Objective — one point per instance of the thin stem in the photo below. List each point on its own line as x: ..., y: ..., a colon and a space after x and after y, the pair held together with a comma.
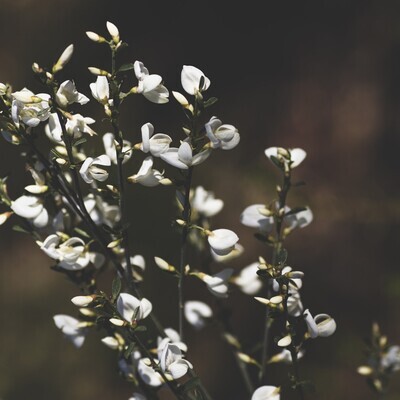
x: 299, y: 386
x: 277, y: 247
x: 182, y: 261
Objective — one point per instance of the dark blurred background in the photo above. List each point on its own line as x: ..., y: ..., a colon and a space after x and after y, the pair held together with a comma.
x: 320, y: 75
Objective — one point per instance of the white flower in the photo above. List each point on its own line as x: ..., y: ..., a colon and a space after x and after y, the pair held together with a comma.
x: 391, y: 359
x: 222, y: 241
x: 196, y: 313
x: 67, y: 94
x: 205, y: 203
x: 322, y: 325
x: 72, y: 328
x: 148, y: 176
x: 222, y: 136
x: 300, y: 219
x: 191, y: 78
x: 217, y: 284
x: 31, y: 208
x: 53, y: 129
x: 30, y: 108
x: 183, y: 157
x: 100, y: 89
x: 248, y: 280
x: 148, y: 374
x: 157, y: 144
x: 292, y: 157
x: 100, y: 211
x: 109, y: 146
x: 90, y: 172
x: 77, y: 125
x: 236, y: 252
x: 137, y: 396
x: 72, y: 254
x: 150, y: 85
x: 111, y: 342
x: 252, y: 217
x: 172, y: 336
x: 172, y: 361
x: 131, y: 308
x: 266, y: 393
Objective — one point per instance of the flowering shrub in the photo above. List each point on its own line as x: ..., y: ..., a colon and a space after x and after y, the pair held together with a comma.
x: 77, y: 214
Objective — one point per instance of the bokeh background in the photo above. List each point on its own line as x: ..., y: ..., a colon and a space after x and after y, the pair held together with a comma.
x: 320, y: 75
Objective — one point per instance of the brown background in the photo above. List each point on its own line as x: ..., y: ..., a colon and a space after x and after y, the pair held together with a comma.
x: 321, y: 75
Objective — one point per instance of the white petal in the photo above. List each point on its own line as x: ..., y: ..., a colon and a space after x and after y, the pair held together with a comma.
x: 266, y: 393
x: 222, y: 241
x: 251, y: 217
x: 127, y: 306
x: 27, y: 207
x: 150, y: 82
x: 201, y: 157
x: 42, y: 219
x: 147, y: 132
x: 159, y: 143
x: 171, y: 157
x: 326, y: 325
x: 185, y: 153
x: 297, y: 156
x: 190, y: 79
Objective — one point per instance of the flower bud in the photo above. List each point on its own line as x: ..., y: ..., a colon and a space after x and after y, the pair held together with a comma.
x: 95, y: 37
x: 285, y: 341
x: 64, y: 58
x: 82, y: 301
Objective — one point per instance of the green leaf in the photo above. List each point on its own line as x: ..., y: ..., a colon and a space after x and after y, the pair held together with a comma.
x: 210, y: 102
x: 129, y: 350
x: 140, y: 328
x: 81, y: 232
x: 282, y: 256
x: 80, y: 141
x: 126, y: 67
x: 276, y: 161
x: 18, y: 228
x: 116, y: 287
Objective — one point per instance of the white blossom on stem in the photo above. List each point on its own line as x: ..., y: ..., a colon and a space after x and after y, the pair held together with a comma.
x: 266, y: 393
x: 172, y: 362
x: 222, y: 241
x: 71, y: 254
x: 100, y: 89
x: 183, y: 157
x: 300, y: 219
x: 31, y: 208
x: 322, y: 325
x: 150, y: 85
x: 291, y: 157
x: 147, y: 175
x: 147, y: 373
x: 157, y: 144
x: 72, y: 328
x: 205, y: 203
x: 67, y: 94
x: 217, y: 284
x: 191, y: 78
x: 222, y: 136
x: 90, y: 171
x: 109, y: 143
x: 131, y: 308
x: 252, y: 218
x: 248, y: 280
x: 196, y: 313
x: 30, y: 108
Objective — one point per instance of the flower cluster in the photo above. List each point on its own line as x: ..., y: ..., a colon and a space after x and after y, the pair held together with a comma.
x: 76, y: 211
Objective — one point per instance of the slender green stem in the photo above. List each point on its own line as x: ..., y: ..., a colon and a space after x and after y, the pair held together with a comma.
x: 277, y: 247
x: 182, y: 260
